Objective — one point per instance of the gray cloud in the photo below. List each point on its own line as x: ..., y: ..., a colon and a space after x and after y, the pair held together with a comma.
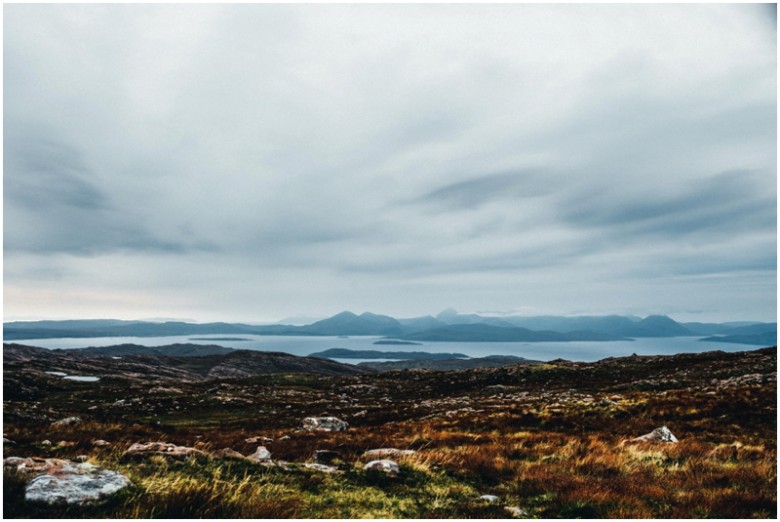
x: 254, y: 161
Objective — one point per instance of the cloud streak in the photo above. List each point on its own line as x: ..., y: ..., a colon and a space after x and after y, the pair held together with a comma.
x: 251, y: 162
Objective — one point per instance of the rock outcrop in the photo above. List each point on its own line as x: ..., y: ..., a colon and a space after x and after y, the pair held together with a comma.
x: 161, y: 448
x: 324, y: 424
x: 58, y: 481
x: 662, y: 434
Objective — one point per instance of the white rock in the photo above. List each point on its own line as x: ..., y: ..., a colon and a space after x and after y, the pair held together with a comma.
x: 324, y: 424
x: 260, y: 454
x: 662, y: 434
x: 74, y: 484
x: 489, y: 498
x: 386, y: 466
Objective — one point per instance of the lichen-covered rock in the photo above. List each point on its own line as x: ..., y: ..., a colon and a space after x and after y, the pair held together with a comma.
x: 387, y: 453
x: 662, y: 434
x: 388, y: 467
x: 161, y: 448
x: 59, y: 481
x: 324, y: 424
x: 261, y: 454
x: 74, y: 483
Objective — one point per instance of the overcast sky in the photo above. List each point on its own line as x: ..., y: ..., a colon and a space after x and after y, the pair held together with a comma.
x: 251, y: 162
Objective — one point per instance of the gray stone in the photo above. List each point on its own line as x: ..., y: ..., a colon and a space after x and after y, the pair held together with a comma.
x: 385, y: 453
x: 161, y: 448
x: 261, y: 454
x: 385, y: 466
x: 72, y: 483
x: 229, y: 453
x: 324, y: 424
x: 662, y: 434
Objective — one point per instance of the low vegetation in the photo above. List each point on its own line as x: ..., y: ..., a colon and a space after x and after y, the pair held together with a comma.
x: 553, y: 440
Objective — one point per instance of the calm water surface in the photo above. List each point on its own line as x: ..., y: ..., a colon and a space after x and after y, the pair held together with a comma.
x: 304, y: 345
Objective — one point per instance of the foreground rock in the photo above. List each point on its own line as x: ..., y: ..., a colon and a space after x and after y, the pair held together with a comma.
x: 229, y: 453
x: 161, y: 448
x: 67, y: 421
x: 261, y: 455
x: 387, y: 453
x: 59, y: 481
x: 324, y: 424
x: 388, y: 467
x: 662, y: 434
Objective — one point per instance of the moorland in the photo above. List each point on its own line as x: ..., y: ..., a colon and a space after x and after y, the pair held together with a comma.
x: 524, y: 439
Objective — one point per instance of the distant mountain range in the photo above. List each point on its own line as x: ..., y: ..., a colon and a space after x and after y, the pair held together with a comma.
x: 446, y: 326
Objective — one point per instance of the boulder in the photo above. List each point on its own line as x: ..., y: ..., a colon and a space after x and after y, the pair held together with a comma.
x: 100, y: 443
x: 387, y: 453
x: 491, y: 499
x: 388, y: 467
x: 59, y: 481
x: 229, y: 453
x: 67, y: 421
x: 324, y: 424
x: 74, y: 484
x: 662, y: 434
x: 261, y: 454
x: 161, y: 448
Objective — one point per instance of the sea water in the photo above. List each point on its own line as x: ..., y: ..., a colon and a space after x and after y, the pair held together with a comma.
x: 585, y: 351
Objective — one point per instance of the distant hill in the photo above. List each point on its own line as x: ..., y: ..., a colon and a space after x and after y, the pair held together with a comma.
x: 347, y: 323
x: 762, y: 334
x: 185, y: 365
x: 656, y: 326
x: 488, y: 333
x: 344, y: 353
